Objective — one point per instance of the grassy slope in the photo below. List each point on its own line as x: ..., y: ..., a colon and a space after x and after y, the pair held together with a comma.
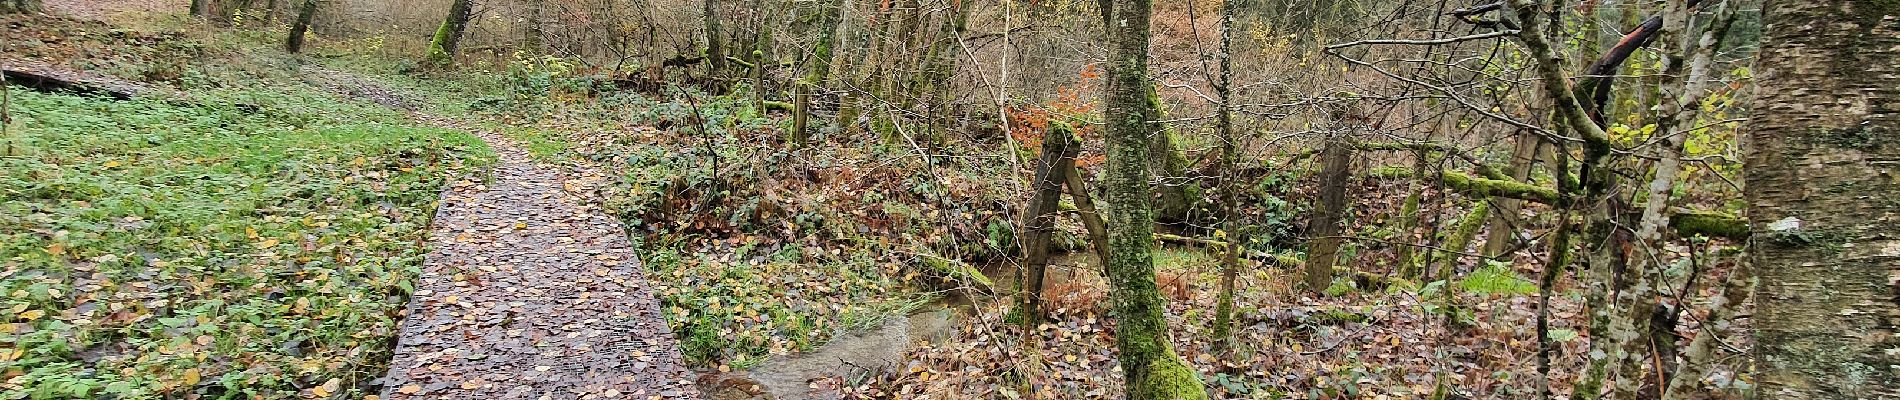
x: 159, y: 250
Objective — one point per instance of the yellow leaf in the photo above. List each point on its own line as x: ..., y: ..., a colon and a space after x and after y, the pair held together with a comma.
x: 471, y: 385
x: 112, y: 164
x: 372, y: 397
x: 268, y: 243
x: 192, y: 376
x: 328, y: 387
x: 30, y: 315
x: 411, y: 389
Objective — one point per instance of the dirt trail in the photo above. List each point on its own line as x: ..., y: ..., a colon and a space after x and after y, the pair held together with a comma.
x: 528, y: 292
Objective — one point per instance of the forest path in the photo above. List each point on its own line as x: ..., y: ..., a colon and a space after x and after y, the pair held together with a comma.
x: 528, y: 292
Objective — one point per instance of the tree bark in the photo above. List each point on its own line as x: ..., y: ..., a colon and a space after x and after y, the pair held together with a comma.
x: 305, y: 13
x: 1325, y: 229
x: 533, y: 37
x: 828, y: 21
x: 1821, y: 156
x: 1039, y: 218
x: 715, y: 40
x: 1701, y: 352
x: 1229, y: 189
x: 1085, y: 209
x: 1505, y: 216
x: 449, y: 35
x: 1150, y: 368
x: 20, y: 6
x: 1178, y: 191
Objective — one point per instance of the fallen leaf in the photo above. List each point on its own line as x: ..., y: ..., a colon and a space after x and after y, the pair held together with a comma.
x: 191, y: 377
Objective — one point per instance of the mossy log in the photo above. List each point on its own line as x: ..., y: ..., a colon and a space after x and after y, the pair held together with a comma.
x: 779, y: 106
x: 1475, y: 186
x: 1709, y: 223
x: 1685, y: 222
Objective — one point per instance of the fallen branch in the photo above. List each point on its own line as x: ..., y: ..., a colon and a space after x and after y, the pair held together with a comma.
x: 1475, y: 186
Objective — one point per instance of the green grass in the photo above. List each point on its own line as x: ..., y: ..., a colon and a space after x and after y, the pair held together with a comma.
x: 248, y: 245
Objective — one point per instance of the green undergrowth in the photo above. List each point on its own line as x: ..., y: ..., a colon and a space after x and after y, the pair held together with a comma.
x: 253, y: 243
x: 738, y: 311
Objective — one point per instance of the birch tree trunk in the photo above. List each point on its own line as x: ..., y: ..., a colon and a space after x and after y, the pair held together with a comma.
x: 1823, y: 162
x: 1150, y: 368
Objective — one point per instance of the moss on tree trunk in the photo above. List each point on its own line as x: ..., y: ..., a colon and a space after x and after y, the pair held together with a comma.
x: 1151, y: 369
x: 1179, y: 192
x: 449, y: 34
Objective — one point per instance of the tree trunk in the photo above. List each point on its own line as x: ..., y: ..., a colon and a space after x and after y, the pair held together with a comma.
x: 1335, y: 171
x: 1229, y: 189
x: 270, y: 13
x: 1178, y: 191
x: 449, y: 35
x: 1085, y: 210
x: 1505, y: 216
x: 1820, y: 183
x: 715, y: 41
x: 20, y: 6
x: 828, y: 21
x: 532, y: 36
x: 1596, y: 178
x: 939, y: 66
x: 1150, y: 368
x: 305, y: 13
x: 1409, y: 267
x: 1701, y: 352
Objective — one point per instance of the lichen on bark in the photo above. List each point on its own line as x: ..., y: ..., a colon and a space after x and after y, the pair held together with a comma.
x: 1825, y: 258
x: 1151, y: 369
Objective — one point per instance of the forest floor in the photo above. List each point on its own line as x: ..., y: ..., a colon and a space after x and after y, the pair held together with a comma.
x: 661, y: 230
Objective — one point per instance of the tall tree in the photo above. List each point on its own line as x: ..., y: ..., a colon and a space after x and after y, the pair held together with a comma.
x: 449, y: 35
x: 1150, y: 368
x: 297, y: 30
x: 1229, y: 193
x: 1821, y: 177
